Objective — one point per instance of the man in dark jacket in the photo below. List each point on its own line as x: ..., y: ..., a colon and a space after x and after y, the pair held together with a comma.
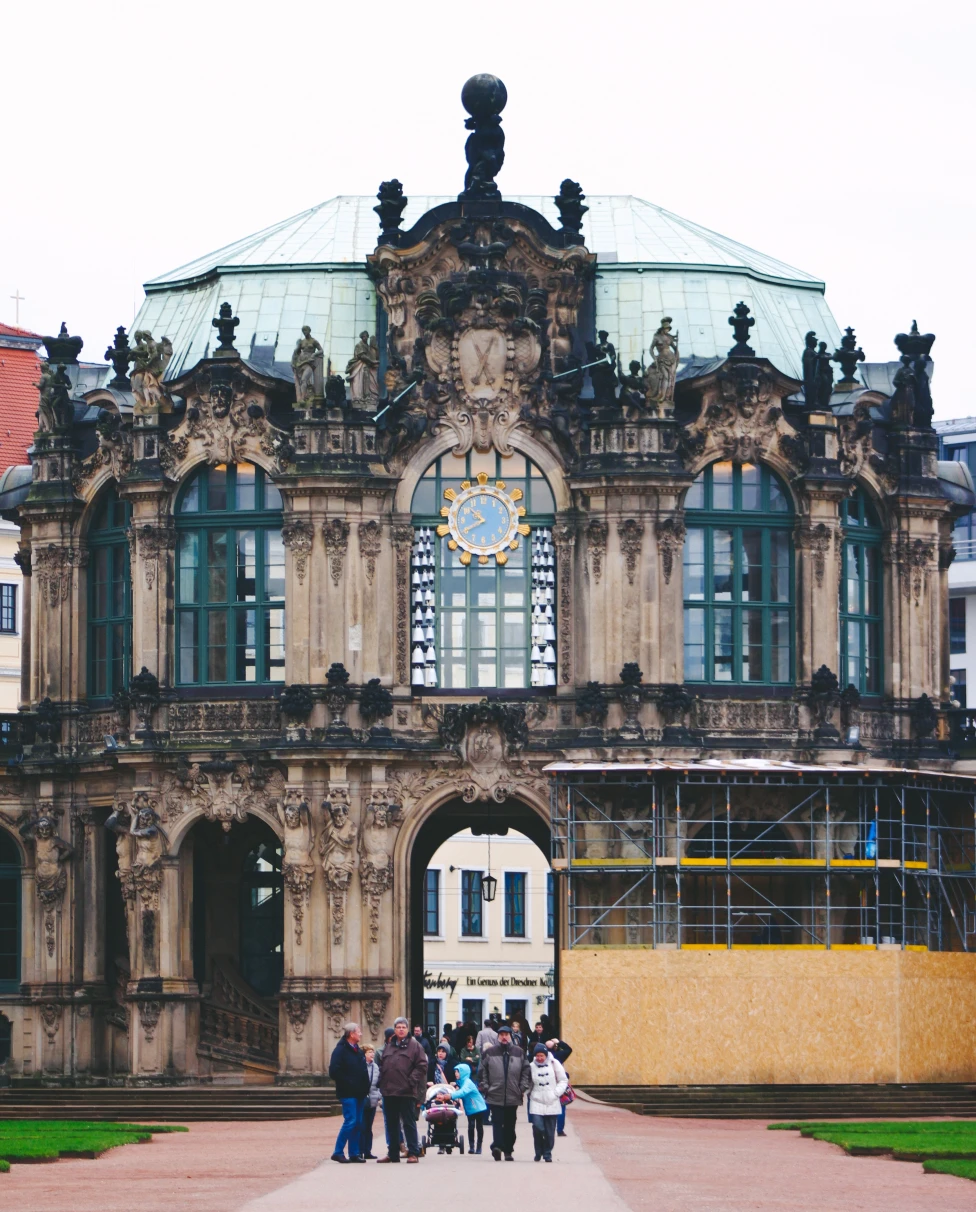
x: 421, y: 1038
x: 403, y: 1082
x: 503, y: 1079
x: 347, y: 1068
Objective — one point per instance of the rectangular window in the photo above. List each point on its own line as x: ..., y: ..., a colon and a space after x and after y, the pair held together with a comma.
x: 432, y: 1018
x: 473, y: 1010
x: 471, y: 921
x: 432, y: 902
x: 550, y: 906
x: 957, y: 624
x: 515, y: 904
x: 958, y: 691
x: 8, y: 609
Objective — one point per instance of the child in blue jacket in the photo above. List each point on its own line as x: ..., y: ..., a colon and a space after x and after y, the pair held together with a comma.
x: 475, y: 1107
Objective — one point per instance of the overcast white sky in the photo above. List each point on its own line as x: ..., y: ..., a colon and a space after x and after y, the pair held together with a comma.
x: 837, y: 137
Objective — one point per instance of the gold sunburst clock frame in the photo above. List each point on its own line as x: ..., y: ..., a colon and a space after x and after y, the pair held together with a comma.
x: 483, y: 520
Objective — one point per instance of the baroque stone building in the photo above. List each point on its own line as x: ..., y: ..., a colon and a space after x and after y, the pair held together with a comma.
x: 394, y: 545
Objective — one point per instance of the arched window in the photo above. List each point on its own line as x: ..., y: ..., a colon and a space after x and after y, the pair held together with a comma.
x: 483, y: 625
x: 262, y: 923
x: 860, y: 596
x: 738, y: 577
x: 230, y: 582
x: 109, y: 597
x: 9, y: 914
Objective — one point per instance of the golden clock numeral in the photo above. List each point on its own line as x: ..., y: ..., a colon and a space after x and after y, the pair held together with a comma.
x: 483, y: 500
x: 442, y: 530
x: 482, y: 559
x: 523, y: 529
x: 513, y: 544
x: 516, y: 494
x: 449, y: 494
x: 465, y: 484
x: 482, y: 477
x: 502, y: 557
x: 452, y: 544
x: 445, y: 512
x: 465, y: 558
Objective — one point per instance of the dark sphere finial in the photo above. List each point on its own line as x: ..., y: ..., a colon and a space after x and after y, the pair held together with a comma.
x: 484, y: 96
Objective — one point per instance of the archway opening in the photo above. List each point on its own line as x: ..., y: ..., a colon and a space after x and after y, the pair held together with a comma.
x: 471, y: 958
x: 10, y: 908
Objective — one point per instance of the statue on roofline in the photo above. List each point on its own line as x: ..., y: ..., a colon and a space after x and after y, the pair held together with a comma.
x: 306, y: 366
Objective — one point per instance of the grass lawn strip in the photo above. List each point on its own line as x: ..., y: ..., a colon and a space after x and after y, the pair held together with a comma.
x: 27, y: 1141
x: 946, y: 1147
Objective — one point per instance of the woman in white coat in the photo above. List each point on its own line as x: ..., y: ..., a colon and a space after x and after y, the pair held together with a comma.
x: 549, y: 1081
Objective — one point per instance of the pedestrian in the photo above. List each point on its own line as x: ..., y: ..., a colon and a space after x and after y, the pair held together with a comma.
x: 421, y: 1037
x: 549, y: 1081
x: 538, y: 1036
x: 403, y: 1082
x: 440, y: 1071
x: 503, y: 1080
x: 487, y: 1036
x: 475, y: 1107
x: 561, y: 1051
x: 347, y: 1068
x: 446, y: 1043
x: 518, y: 1035
x: 369, y: 1107
x: 470, y: 1055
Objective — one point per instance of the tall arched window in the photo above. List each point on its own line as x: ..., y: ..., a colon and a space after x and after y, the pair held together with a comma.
x: 109, y: 597
x: 483, y: 625
x: 9, y: 914
x: 860, y: 596
x: 230, y: 583
x: 738, y: 577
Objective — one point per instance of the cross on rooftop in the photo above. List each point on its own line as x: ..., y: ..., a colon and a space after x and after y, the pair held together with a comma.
x: 18, y: 298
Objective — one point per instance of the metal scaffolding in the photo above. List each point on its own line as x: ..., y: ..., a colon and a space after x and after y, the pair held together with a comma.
x: 765, y: 854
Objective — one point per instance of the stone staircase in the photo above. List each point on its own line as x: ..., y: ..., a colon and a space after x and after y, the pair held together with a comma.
x: 940, y: 1100
x: 168, y: 1104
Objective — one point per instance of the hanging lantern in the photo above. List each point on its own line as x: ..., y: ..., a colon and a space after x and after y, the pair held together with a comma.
x: 489, y: 886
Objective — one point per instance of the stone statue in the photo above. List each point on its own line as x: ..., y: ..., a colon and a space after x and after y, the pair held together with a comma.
x: 809, y: 362
x: 51, y: 853
x: 338, y: 847
x: 151, y: 841
x: 363, y: 371
x: 633, y: 388
x: 297, y: 868
x: 120, y: 823
x: 484, y: 98
x: 306, y: 366
x: 825, y: 378
x: 376, y: 848
x: 149, y: 361
x: 663, y: 371
x: 603, y: 376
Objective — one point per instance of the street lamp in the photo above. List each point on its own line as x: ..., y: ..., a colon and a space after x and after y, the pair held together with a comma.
x: 488, y: 886
x: 550, y: 978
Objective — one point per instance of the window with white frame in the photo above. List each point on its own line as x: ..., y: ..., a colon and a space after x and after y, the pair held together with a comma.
x: 515, y: 909
x: 8, y: 609
x: 472, y: 916
x: 432, y: 902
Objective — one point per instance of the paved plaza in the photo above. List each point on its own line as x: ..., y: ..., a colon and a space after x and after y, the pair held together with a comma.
x: 611, y: 1160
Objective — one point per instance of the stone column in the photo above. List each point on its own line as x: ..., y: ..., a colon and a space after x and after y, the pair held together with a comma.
x: 819, y: 549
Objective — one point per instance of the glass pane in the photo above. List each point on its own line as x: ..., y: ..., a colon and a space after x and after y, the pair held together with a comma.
x: 246, y: 581
x: 694, y: 565
x: 872, y: 635
x: 216, y: 646
x: 854, y: 552
x: 272, y: 497
x: 752, y: 646
x: 191, y: 498
x: 722, y: 565
x: 245, y: 645
x: 513, y: 629
x: 722, y: 485
x: 694, y: 644
x: 117, y: 668
x: 217, y: 488
x: 483, y: 633
x: 778, y: 501
x: 513, y: 669
x: 246, y: 485
x: 451, y: 629
x: 119, y: 578
x: 872, y: 596
x: 540, y: 496
x: 486, y: 463
x: 454, y: 670
x: 696, y: 494
x: 483, y: 586
x: 722, y: 641
x: 217, y: 566
x: 779, y: 565
x: 483, y: 667
x: 781, y: 641
x: 454, y: 582
x: 189, y: 562
x: 99, y: 645
x: 274, y: 646
x: 853, y: 637
x: 751, y: 575
x: 274, y: 565
x: 100, y: 604
x: 424, y: 501
x: 751, y: 487
x: 188, y: 633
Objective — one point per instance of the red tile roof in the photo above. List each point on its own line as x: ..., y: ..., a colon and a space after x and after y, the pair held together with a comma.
x: 20, y: 369
x: 9, y: 331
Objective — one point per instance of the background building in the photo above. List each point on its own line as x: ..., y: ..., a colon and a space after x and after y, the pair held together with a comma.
x: 957, y: 440
x: 481, y: 957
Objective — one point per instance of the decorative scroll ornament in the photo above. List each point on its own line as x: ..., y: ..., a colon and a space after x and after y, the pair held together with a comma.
x: 149, y: 1012
x: 337, y: 1011
x: 297, y: 868
x: 152, y: 543
x: 670, y: 539
x: 597, y: 531
x: 382, y: 817
x: 114, y: 452
x: 631, y: 535
x: 298, y: 535
x: 916, y: 557
x: 337, y: 845
x: 403, y: 540
x: 565, y: 539
x: 223, y: 791
x: 52, y: 571
x: 336, y: 533
x: 298, y: 1009
x: 374, y: 1011
x: 369, y: 546
x: 816, y: 540
x: 51, y: 1018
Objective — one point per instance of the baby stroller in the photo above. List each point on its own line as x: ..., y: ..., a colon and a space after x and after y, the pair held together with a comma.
x: 442, y: 1121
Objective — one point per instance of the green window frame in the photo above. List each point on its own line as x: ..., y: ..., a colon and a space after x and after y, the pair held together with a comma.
x: 738, y: 578
x: 10, y: 914
x: 861, y: 597
x: 230, y: 579
x: 483, y: 613
x: 109, y: 597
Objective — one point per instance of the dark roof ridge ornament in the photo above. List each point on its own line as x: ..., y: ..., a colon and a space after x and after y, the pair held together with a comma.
x: 390, y: 210
x: 64, y: 349
x: 569, y: 203
x: 847, y: 357
x: 484, y: 97
x: 914, y: 344
x: 741, y: 322
x: 118, y: 353
x: 225, y: 323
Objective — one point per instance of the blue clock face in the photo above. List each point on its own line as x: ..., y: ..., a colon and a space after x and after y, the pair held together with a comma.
x: 483, y: 520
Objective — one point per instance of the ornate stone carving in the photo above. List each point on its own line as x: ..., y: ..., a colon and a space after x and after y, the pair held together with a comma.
x: 915, y: 559
x: 631, y: 534
x: 670, y: 534
x: 337, y: 845
x: 52, y: 571
x: 297, y: 868
x: 362, y: 370
x: 51, y: 854
x: 337, y: 1011
x: 152, y: 542
x: 369, y: 546
x: 374, y: 1011
x: 815, y: 540
x: 149, y: 1012
x: 224, y: 791
x: 298, y: 1009
x: 597, y: 531
x: 149, y: 360
x: 306, y: 367
x: 51, y: 1013
x: 733, y: 717
x: 336, y: 534
x: 382, y: 817
x: 150, y: 846
x: 403, y: 538
x: 226, y: 719
x: 114, y: 451
x: 298, y: 534
x: 564, y: 538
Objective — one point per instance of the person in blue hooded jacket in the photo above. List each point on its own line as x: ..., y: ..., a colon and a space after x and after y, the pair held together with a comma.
x: 475, y: 1107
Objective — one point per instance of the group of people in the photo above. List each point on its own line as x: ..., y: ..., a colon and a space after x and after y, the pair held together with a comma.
x: 489, y: 1073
